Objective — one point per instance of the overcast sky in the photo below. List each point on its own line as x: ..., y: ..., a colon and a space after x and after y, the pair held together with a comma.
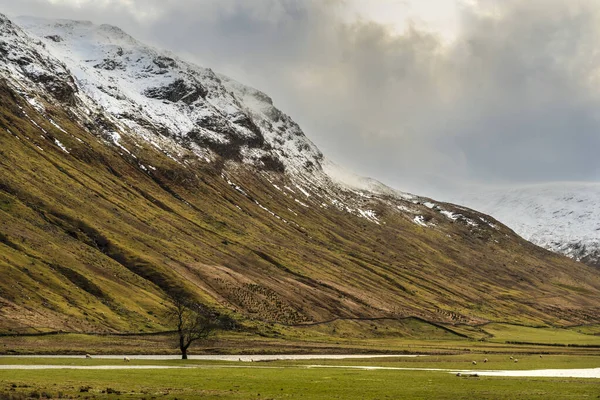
x: 424, y: 95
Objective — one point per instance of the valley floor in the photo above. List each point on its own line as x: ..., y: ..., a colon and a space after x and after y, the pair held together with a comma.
x: 409, y: 336
x: 429, y: 377
x: 567, y: 352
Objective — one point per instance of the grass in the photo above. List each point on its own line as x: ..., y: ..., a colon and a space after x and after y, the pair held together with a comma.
x: 527, y: 361
x: 293, y: 380
x: 345, y: 337
x: 587, y: 329
x: 523, y: 334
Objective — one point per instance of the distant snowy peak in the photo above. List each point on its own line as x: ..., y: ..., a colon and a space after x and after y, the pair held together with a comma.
x: 151, y: 91
x: 562, y: 217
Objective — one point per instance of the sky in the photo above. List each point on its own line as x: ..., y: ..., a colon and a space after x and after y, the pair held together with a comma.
x: 428, y: 96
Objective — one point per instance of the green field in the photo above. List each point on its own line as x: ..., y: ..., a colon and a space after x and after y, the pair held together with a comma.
x: 409, y: 335
x: 535, y: 348
x: 523, y: 334
x: 296, y: 380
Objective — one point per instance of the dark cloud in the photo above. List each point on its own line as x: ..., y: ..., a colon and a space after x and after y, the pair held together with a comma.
x: 513, y: 99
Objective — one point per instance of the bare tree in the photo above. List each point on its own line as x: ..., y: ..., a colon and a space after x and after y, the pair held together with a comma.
x: 195, y: 321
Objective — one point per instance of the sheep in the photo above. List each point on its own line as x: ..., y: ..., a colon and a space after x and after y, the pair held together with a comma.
x: 485, y: 360
x: 126, y: 359
x: 474, y: 362
x: 88, y: 356
x: 516, y: 360
x: 511, y: 357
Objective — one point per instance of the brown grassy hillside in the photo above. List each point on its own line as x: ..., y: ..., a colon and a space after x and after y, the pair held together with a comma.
x: 90, y: 241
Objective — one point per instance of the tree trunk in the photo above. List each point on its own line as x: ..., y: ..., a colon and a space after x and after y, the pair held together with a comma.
x: 183, y: 347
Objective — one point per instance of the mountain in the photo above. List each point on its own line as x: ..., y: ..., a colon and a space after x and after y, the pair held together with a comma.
x: 561, y: 217
x: 129, y: 176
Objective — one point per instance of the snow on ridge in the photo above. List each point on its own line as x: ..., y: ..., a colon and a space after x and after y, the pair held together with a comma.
x: 134, y: 82
x: 296, y: 151
x: 179, y: 107
x: 351, y: 180
x: 450, y: 215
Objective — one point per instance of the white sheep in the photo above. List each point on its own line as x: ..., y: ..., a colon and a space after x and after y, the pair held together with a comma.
x: 516, y: 360
x: 88, y: 356
x: 126, y: 359
x: 485, y: 360
x: 474, y: 362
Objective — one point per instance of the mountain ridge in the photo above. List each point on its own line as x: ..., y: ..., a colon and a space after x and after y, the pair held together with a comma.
x: 105, y: 213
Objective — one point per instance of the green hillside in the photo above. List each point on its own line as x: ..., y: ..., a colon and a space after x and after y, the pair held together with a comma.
x: 92, y: 242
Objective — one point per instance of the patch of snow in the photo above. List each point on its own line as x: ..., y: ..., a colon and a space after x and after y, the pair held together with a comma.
x: 56, y: 125
x: 450, y: 215
x: 31, y: 120
x: 485, y: 221
x: 301, y: 203
x: 269, y: 211
x: 304, y: 192
x: 36, y: 105
x: 420, y: 220
x: 370, y: 215
x: 116, y: 137
x: 61, y: 146
x: 236, y: 187
x: 406, y: 209
x: 470, y: 222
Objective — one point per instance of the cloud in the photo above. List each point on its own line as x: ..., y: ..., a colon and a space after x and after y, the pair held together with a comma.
x: 514, y: 98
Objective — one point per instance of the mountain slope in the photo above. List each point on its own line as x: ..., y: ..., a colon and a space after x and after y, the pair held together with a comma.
x: 561, y: 217
x: 149, y: 91
x: 121, y: 187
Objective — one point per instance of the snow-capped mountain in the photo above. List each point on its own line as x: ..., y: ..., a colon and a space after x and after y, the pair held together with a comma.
x: 183, y: 109
x: 180, y: 108
x: 561, y: 217
x: 129, y: 175
x: 149, y: 91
